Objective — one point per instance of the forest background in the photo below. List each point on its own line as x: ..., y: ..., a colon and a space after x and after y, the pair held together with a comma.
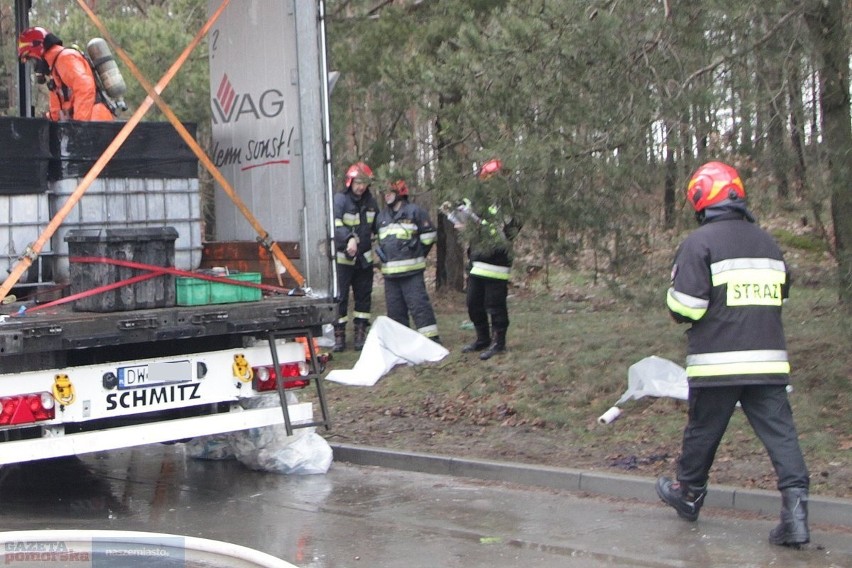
x: 600, y: 110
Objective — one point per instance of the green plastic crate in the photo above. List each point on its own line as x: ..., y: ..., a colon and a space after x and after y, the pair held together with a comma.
x: 197, y: 292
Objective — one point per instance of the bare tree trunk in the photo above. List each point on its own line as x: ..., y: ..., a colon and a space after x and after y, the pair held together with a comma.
x: 775, y: 108
x: 449, y: 272
x: 450, y: 257
x: 796, y: 121
x: 671, y: 180
x: 825, y: 22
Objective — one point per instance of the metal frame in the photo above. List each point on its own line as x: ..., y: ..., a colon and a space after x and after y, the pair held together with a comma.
x: 314, y: 376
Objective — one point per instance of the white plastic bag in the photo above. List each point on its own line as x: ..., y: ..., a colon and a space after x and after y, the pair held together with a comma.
x: 268, y: 448
x: 655, y: 376
x: 652, y: 376
x: 303, y: 453
x: 217, y: 447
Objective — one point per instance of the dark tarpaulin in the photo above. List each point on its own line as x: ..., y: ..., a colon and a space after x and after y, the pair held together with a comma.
x: 153, y: 150
x: 34, y: 151
x: 24, y: 155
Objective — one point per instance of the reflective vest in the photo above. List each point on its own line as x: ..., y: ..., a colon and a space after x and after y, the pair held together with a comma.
x: 354, y: 217
x: 405, y: 237
x: 729, y: 280
x: 490, y: 251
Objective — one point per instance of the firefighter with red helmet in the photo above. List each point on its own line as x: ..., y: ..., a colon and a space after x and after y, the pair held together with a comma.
x: 729, y: 281
x: 355, y: 211
x: 73, y: 89
x: 490, y: 234
x: 406, y: 235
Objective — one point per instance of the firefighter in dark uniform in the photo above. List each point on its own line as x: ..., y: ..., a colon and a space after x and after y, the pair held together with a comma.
x: 406, y: 236
x: 729, y: 280
x: 490, y: 254
x: 355, y: 211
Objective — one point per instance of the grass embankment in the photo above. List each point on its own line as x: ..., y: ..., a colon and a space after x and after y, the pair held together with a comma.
x: 570, y: 346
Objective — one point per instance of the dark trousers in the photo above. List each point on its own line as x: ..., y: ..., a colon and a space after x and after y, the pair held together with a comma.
x: 406, y: 295
x: 768, y: 411
x: 360, y: 280
x: 486, y: 297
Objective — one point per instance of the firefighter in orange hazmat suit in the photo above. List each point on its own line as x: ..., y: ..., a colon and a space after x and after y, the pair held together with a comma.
x: 73, y: 90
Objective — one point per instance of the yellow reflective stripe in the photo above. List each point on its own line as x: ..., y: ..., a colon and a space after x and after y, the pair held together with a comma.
x: 361, y: 315
x: 428, y: 238
x: 351, y: 219
x: 493, y: 271
x: 400, y: 266
x: 343, y: 259
x: 343, y: 320
x: 754, y: 362
x: 338, y: 222
x: 370, y: 216
x: 751, y: 281
x: 401, y: 231
x: 685, y: 305
x: 762, y: 368
x: 428, y: 330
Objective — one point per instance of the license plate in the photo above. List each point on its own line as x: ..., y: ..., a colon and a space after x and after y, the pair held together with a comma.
x: 154, y: 374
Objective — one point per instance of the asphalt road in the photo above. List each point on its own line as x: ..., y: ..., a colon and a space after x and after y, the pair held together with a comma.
x: 369, y: 516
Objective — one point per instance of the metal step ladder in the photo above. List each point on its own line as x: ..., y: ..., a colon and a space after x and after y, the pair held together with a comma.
x: 314, y: 376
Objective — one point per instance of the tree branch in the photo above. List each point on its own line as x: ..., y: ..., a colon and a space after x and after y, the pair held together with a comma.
x: 725, y: 58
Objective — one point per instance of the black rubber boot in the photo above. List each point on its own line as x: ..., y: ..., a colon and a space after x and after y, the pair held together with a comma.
x: 361, y: 326
x: 483, y: 340
x: 498, y: 345
x: 339, y: 337
x: 686, y: 500
x: 793, y: 528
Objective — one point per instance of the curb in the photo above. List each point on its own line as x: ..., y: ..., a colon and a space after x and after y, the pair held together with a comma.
x: 822, y: 510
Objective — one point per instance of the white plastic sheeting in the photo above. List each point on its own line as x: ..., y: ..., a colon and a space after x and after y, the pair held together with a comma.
x: 388, y: 344
x: 268, y: 448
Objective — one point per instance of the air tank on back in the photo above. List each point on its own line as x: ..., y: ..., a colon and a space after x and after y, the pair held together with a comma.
x: 107, y: 70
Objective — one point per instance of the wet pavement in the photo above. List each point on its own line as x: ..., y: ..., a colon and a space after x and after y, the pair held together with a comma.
x: 369, y: 516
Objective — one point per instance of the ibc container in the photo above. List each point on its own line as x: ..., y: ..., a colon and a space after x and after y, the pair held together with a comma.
x: 151, y: 182
x: 22, y: 219
x: 152, y: 246
x: 135, y: 204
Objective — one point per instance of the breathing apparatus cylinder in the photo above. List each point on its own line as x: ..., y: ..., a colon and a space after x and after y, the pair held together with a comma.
x: 108, y: 72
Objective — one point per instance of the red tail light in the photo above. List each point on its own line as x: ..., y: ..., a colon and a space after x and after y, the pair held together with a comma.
x: 26, y: 408
x: 264, y: 378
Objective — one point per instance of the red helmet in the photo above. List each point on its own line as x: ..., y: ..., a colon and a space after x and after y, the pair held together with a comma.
x: 31, y: 43
x: 712, y: 184
x: 359, y: 171
x: 490, y: 168
x: 399, y: 188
